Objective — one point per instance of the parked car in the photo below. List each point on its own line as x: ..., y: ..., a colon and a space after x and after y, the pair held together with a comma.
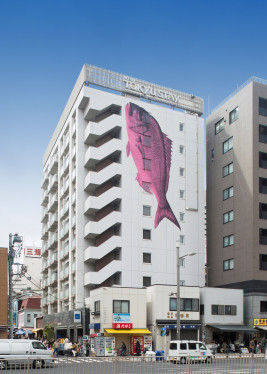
x: 184, y: 350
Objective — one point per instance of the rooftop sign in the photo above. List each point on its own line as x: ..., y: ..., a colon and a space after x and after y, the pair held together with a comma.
x: 149, y: 91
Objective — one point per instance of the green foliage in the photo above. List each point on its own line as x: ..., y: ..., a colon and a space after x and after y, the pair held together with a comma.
x: 49, y: 332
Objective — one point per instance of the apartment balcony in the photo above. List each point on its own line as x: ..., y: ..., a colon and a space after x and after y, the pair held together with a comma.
x: 73, y: 129
x: 66, y: 144
x: 53, y: 279
x: 64, y: 252
x: 52, y: 242
x: 44, y: 232
x: 94, y: 253
x: 96, y: 278
x: 45, y: 181
x: 53, y: 259
x: 65, y: 168
x: 92, y: 228
x: 73, y: 175
x: 73, y: 152
x: 65, y: 189
x: 73, y: 198
x: 73, y: 267
x: 45, y: 283
x: 53, y: 164
x: 53, y: 184
x: 44, y: 248
x: 45, y: 198
x: 66, y: 293
x: 44, y: 215
x: 94, y: 203
x: 94, y: 179
x: 66, y: 272
x: 53, y: 222
x: 73, y: 244
x: 93, y: 155
x: 73, y: 221
x: 73, y: 290
x: 44, y: 265
x: 53, y: 203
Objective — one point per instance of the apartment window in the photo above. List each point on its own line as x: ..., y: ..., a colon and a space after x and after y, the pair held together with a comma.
x: 146, y: 140
x: 181, y: 194
x: 146, y: 281
x: 219, y: 126
x: 28, y: 318
x: 228, y: 192
x: 189, y: 305
x: 263, y: 134
x: 262, y: 106
x: 217, y: 310
x: 202, y: 309
x: 181, y: 172
x: 228, y: 264
x: 147, y: 258
x: 263, y: 262
x: 230, y: 310
x: 227, y: 145
x: 121, y: 306
x: 228, y: 216
x: 233, y: 116
x: 182, y: 283
x: 146, y: 210
x: 173, y: 304
x: 263, y: 211
x: 181, y: 239
x: 181, y: 126
x: 181, y: 149
x: 181, y: 217
x: 146, y: 234
x: 228, y: 240
x: 97, y: 306
x: 263, y: 185
x: 263, y: 236
x: 263, y: 306
x: 263, y: 160
x: 228, y: 169
x: 146, y: 164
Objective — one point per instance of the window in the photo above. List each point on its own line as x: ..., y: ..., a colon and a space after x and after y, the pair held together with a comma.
x: 181, y: 172
x: 188, y: 305
x: 227, y: 145
x: 182, y: 282
x: 202, y: 309
x: 262, y: 106
x: 217, y: 310
x: 173, y: 304
x: 228, y: 192
x: 38, y: 345
x: 146, y: 141
x: 230, y: 310
x: 263, y: 306
x: 263, y: 211
x: 263, y: 160
x: 181, y: 239
x: 147, y: 258
x: 28, y: 318
x: 35, y: 315
x: 228, y: 264
x: 146, y: 187
x: 146, y: 234
x: 181, y: 149
x: 263, y: 134
x: 263, y: 262
x: 146, y: 164
x: 228, y: 216
x: 181, y: 194
x: 182, y: 217
x: 146, y: 281
x: 174, y: 346
x: 263, y: 185
x: 228, y: 169
x: 233, y: 116
x: 263, y: 236
x: 181, y: 126
x: 228, y: 240
x: 121, y: 306
x: 97, y: 307
x: 146, y: 210
x: 192, y: 346
x: 182, y: 262
x: 219, y: 126
x: 183, y: 347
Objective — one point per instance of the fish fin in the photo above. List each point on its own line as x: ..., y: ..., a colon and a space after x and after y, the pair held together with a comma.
x: 144, y: 185
x: 168, y: 158
x: 165, y: 212
x: 128, y: 149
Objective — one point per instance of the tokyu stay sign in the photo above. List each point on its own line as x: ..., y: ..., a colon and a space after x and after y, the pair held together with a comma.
x: 137, y: 87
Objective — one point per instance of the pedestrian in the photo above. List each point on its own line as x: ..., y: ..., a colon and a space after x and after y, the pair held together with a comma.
x: 56, y: 347
x: 123, y: 349
x: 87, y: 349
x: 76, y: 349
x: 137, y: 348
x: 251, y: 346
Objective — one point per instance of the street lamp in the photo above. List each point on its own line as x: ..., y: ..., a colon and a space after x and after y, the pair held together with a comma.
x: 178, y: 258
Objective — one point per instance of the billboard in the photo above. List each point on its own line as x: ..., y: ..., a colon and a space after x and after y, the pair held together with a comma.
x: 32, y: 251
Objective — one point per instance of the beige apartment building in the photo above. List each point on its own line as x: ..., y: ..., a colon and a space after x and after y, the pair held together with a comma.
x: 237, y: 198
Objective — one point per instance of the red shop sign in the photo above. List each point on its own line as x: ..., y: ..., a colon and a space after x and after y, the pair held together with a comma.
x: 122, y: 325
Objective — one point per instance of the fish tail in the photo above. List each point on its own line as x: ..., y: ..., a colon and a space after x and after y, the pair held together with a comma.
x: 165, y: 212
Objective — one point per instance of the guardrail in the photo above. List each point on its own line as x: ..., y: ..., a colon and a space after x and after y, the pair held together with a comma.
x: 220, y: 364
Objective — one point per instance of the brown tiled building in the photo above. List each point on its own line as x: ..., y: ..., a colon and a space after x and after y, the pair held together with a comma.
x: 3, y: 293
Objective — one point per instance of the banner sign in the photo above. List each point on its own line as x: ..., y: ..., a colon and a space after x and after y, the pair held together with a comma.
x: 32, y: 252
x: 122, y: 326
x: 121, y: 317
x: 77, y: 317
x: 260, y: 321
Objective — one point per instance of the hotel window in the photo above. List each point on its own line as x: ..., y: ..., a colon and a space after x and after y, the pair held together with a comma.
x: 217, y: 310
x: 262, y: 134
x: 181, y: 239
x: 219, y: 126
x: 263, y: 306
x: 147, y: 258
x: 228, y: 264
x: 228, y: 169
x: 230, y: 310
x: 228, y: 216
x: 97, y: 307
x: 228, y: 145
x: 181, y: 172
x: 146, y: 164
x: 263, y: 185
x: 182, y: 217
x: 121, y: 306
x: 263, y: 211
x: 263, y: 262
x: 263, y: 236
x: 181, y: 126
x: 233, y: 116
x: 146, y: 281
x: 263, y: 160
x: 262, y: 106
x: 181, y: 149
x: 146, y: 140
x: 146, y: 234
x: 228, y: 192
x: 228, y: 240
x: 181, y: 194
x: 146, y: 210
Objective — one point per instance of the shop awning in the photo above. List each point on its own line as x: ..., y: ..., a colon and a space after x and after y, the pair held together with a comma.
x: 261, y: 327
x: 36, y: 330
x: 128, y: 331
x: 233, y: 328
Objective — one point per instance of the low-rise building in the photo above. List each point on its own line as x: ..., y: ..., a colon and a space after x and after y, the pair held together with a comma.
x: 30, y: 308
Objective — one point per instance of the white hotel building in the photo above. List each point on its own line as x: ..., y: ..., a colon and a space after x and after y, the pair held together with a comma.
x: 98, y: 223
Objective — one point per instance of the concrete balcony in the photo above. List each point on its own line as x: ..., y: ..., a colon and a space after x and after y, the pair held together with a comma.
x: 94, y: 130
x: 94, y: 203
x: 45, y: 198
x: 53, y: 222
x: 53, y: 259
x: 93, y: 155
x: 53, y: 164
x: 94, y: 179
x: 92, y: 228
x: 53, y: 203
x: 52, y: 242
x: 95, y: 278
x: 53, y: 184
x: 94, y: 253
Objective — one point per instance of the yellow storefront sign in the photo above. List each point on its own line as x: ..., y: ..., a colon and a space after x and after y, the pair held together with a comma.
x: 260, y: 321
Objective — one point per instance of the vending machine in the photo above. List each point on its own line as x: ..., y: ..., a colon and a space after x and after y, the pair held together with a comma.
x: 133, y: 343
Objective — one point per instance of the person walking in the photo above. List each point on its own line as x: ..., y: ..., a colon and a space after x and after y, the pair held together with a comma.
x: 137, y: 348
x: 56, y: 348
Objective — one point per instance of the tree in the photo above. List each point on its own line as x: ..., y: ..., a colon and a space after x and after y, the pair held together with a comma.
x: 49, y: 332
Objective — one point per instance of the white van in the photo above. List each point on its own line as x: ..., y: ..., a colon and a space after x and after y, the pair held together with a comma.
x: 19, y: 350
x: 184, y: 350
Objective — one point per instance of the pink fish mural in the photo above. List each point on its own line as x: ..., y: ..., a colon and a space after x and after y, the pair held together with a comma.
x: 151, y: 151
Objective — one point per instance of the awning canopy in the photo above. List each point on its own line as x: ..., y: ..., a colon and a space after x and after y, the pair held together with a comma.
x: 261, y: 327
x: 128, y: 331
x: 35, y: 330
x: 233, y: 328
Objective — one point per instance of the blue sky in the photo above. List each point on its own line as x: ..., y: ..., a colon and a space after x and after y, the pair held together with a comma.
x: 207, y: 48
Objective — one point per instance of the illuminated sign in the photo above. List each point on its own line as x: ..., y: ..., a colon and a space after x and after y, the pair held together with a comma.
x: 77, y: 316
x: 124, y: 326
x: 260, y: 321
x: 32, y: 252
